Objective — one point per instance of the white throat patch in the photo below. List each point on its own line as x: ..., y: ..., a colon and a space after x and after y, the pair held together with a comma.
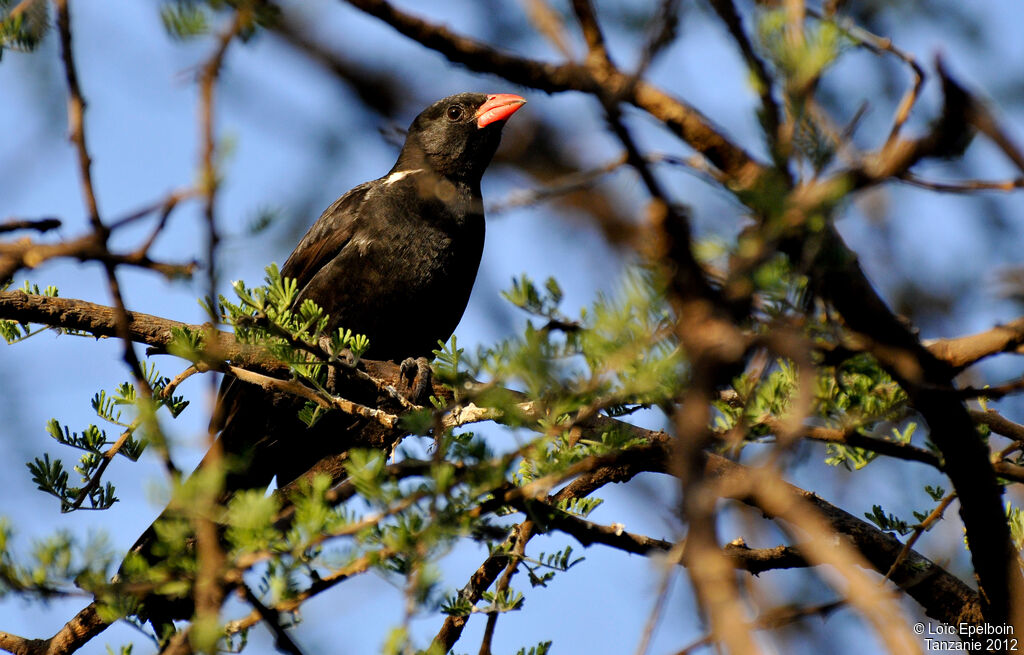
x: 397, y: 175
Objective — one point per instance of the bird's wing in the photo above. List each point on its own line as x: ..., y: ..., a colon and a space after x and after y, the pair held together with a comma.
x: 322, y: 242
x: 326, y: 238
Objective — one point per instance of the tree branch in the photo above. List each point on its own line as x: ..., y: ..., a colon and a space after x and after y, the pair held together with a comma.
x: 25, y: 253
x: 998, y: 423
x: 726, y: 10
x: 682, y: 119
x: 961, y: 352
x: 941, y: 595
x: 927, y: 380
x: 272, y: 618
x: 76, y: 116
x: 38, y: 224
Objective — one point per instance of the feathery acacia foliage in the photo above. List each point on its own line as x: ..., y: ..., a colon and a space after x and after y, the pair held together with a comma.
x: 756, y: 352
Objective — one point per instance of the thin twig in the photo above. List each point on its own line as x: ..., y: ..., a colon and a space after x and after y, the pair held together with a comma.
x: 567, y: 183
x: 523, y: 532
x: 171, y: 199
x: 727, y: 12
x: 584, y: 179
x: 37, y: 224
x: 597, y: 50
x: 679, y: 117
x: 167, y: 207
x: 326, y: 401
x: 963, y: 186
x: 851, y: 437
x: 982, y: 119
x: 774, y: 619
x: 76, y: 121
x: 272, y: 618
x: 993, y: 393
x: 107, y: 457
x: 26, y: 253
x: 878, y: 45
x: 664, y: 28
x: 549, y: 23
x: 76, y: 116
x: 919, y: 530
x: 322, y: 355
x: 209, y: 589
x: 172, y: 386
x: 209, y: 183
x: 360, y: 565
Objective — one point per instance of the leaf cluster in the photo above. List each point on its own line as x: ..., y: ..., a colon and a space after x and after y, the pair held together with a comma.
x: 272, y: 317
x: 136, y: 430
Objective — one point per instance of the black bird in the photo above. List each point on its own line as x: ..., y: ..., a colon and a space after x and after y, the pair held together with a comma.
x: 406, y: 246
x: 394, y: 259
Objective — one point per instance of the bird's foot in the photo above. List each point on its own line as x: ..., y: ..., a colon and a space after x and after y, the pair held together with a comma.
x: 417, y: 379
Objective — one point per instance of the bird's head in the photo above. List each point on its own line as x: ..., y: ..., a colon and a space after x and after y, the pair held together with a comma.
x: 457, y: 136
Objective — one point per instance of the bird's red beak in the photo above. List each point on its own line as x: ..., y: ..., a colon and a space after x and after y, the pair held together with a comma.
x: 498, y: 107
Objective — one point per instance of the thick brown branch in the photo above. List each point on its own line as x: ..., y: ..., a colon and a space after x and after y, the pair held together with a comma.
x: 685, y: 121
x: 961, y: 352
x: 84, y: 316
x: 101, y: 321
x: 998, y: 423
x: 75, y: 633
x: 615, y: 536
x: 928, y: 380
x: 943, y: 597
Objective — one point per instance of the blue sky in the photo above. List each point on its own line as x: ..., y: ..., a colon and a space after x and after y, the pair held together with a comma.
x: 278, y: 114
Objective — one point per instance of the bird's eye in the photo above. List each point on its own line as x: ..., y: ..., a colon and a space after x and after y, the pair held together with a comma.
x: 454, y: 113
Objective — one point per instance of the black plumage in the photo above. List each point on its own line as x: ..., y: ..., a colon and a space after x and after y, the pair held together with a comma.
x: 394, y: 259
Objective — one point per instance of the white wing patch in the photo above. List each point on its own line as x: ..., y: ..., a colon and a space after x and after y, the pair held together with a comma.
x: 360, y: 243
x: 397, y: 175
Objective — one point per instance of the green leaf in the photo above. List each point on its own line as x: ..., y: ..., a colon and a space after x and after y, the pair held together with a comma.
x: 184, y: 20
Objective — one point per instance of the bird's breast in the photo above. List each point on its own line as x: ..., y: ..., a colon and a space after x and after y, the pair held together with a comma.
x: 405, y: 276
